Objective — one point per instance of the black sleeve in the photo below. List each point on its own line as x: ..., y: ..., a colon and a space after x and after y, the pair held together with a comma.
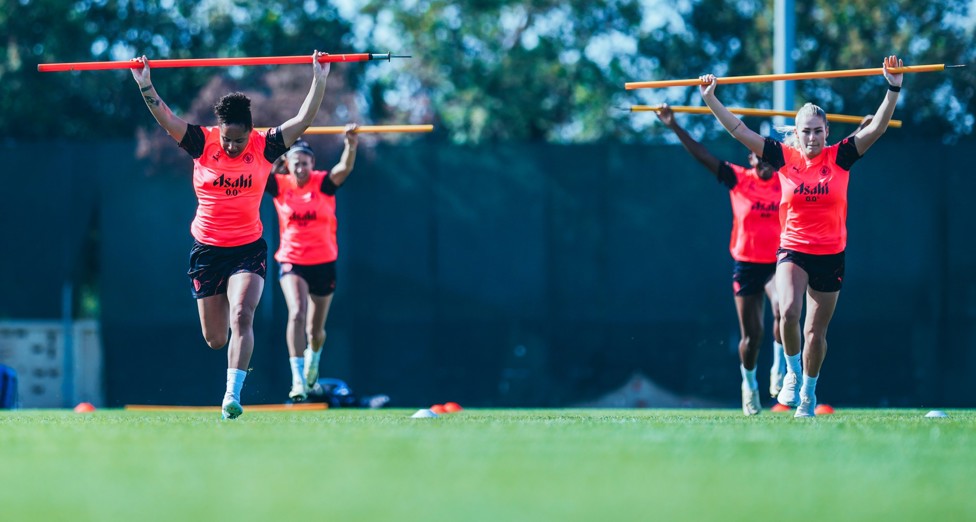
x: 274, y: 145
x: 726, y: 175
x: 847, y: 154
x: 773, y: 153
x: 328, y: 186
x: 272, y: 186
x: 193, y: 141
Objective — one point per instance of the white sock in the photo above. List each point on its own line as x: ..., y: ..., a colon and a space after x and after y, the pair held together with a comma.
x: 793, y: 363
x: 312, y: 357
x: 297, y: 369
x: 235, y: 381
x: 749, y: 376
x: 779, y: 361
x: 809, y: 387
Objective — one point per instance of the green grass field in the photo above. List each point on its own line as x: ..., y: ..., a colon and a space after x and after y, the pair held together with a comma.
x: 493, y: 465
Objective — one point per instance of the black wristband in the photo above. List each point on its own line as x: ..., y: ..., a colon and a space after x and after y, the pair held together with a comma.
x: 894, y: 88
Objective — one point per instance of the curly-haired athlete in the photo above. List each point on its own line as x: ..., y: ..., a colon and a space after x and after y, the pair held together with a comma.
x: 228, y: 260
x: 810, y: 260
x: 305, y: 201
x: 755, y: 195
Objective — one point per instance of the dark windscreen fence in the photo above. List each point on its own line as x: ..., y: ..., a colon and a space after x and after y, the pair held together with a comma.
x: 510, y: 275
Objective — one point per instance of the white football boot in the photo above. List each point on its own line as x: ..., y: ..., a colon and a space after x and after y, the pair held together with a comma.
x: 807, y: 407
x: 231, y: 408
x: 789, y: 395
x: 298, y: 392
x: 750, y: 400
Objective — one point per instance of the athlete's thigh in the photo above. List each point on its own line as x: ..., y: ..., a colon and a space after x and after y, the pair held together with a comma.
x: 244, y: 290
x: 295, y: 289
x: 820, y: 309
x: 214, y: 314
x: 770, y: 290
x: 318, y: 311
x: 791, y: 282
x: 750, y: 310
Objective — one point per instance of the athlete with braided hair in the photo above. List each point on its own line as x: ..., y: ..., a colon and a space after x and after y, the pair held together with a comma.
x: 228, y: 261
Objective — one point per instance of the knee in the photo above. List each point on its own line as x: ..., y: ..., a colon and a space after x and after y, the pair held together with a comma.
x: 215, y: 341
x: 815, y: 338
x: 748, y: 341
x: 241, y: 316
x: 790, y: 314
x: 317, y: 339
x: 297, y: 317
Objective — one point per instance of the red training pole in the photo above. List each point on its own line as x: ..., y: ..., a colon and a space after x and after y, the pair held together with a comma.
x: 212, y: 62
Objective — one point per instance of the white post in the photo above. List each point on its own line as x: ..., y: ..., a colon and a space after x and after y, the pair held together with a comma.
x: 784, y: 42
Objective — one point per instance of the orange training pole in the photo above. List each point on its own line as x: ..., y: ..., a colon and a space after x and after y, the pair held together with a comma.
x: 374, y: 129
x: 214, y: 62
x: 365, y: 129
x: 759, y: 78
x: 843, y: 118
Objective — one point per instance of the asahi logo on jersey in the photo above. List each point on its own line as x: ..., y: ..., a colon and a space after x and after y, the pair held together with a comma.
x: 765, y: 207
x: 234, y: 186
x: 303, y: 218
x: 240, y: 182
x: 811, y: 192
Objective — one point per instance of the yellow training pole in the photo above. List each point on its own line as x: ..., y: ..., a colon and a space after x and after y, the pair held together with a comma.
x: 843, y: 118
x: 759, y: 78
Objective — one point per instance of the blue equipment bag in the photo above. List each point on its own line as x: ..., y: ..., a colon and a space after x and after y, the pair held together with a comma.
x: 8, y: 388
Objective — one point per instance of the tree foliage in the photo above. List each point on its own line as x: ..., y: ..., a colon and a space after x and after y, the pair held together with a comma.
x: 509, y: 70
x: 103, y: 104
x: 832, y: 35
x: 483, y: 70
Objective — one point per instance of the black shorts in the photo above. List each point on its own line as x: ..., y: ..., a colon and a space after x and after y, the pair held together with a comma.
x: 211, y: 266
x: 751, y: 278
x: 321, y: 278
x: 826, y: 272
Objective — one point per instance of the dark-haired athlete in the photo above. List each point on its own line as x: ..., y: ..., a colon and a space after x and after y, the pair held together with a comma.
x: 755, y: 195
x: 814, y: 178
x: 305, y: 201
x: 230, y: 170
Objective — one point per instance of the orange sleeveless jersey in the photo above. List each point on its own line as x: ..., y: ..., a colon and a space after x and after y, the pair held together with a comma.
x: 814, y: 205
x: 755, y: 216
x: 229, y: 191
x: 306, y: 220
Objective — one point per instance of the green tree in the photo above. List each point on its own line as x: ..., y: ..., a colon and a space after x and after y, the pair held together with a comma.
x: 100, y: 104
x: 538, y: 70
x: 737, y: 39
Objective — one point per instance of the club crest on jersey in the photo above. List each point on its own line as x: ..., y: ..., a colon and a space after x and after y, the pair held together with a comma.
x: 248, y: 158
x: 824, y: 170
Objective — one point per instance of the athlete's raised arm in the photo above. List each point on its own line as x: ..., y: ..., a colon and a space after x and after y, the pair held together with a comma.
x: 347, y: 161
x: 733, y: 124
x: 879, y: 124
x: 700, y: 153
x: 173, y: 124
x: 293, y: 129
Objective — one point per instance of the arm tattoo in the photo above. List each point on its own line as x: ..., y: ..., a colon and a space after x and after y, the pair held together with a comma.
x: 151, y: 101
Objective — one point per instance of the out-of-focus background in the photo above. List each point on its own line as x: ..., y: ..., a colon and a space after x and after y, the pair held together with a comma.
x: 541, y: 248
